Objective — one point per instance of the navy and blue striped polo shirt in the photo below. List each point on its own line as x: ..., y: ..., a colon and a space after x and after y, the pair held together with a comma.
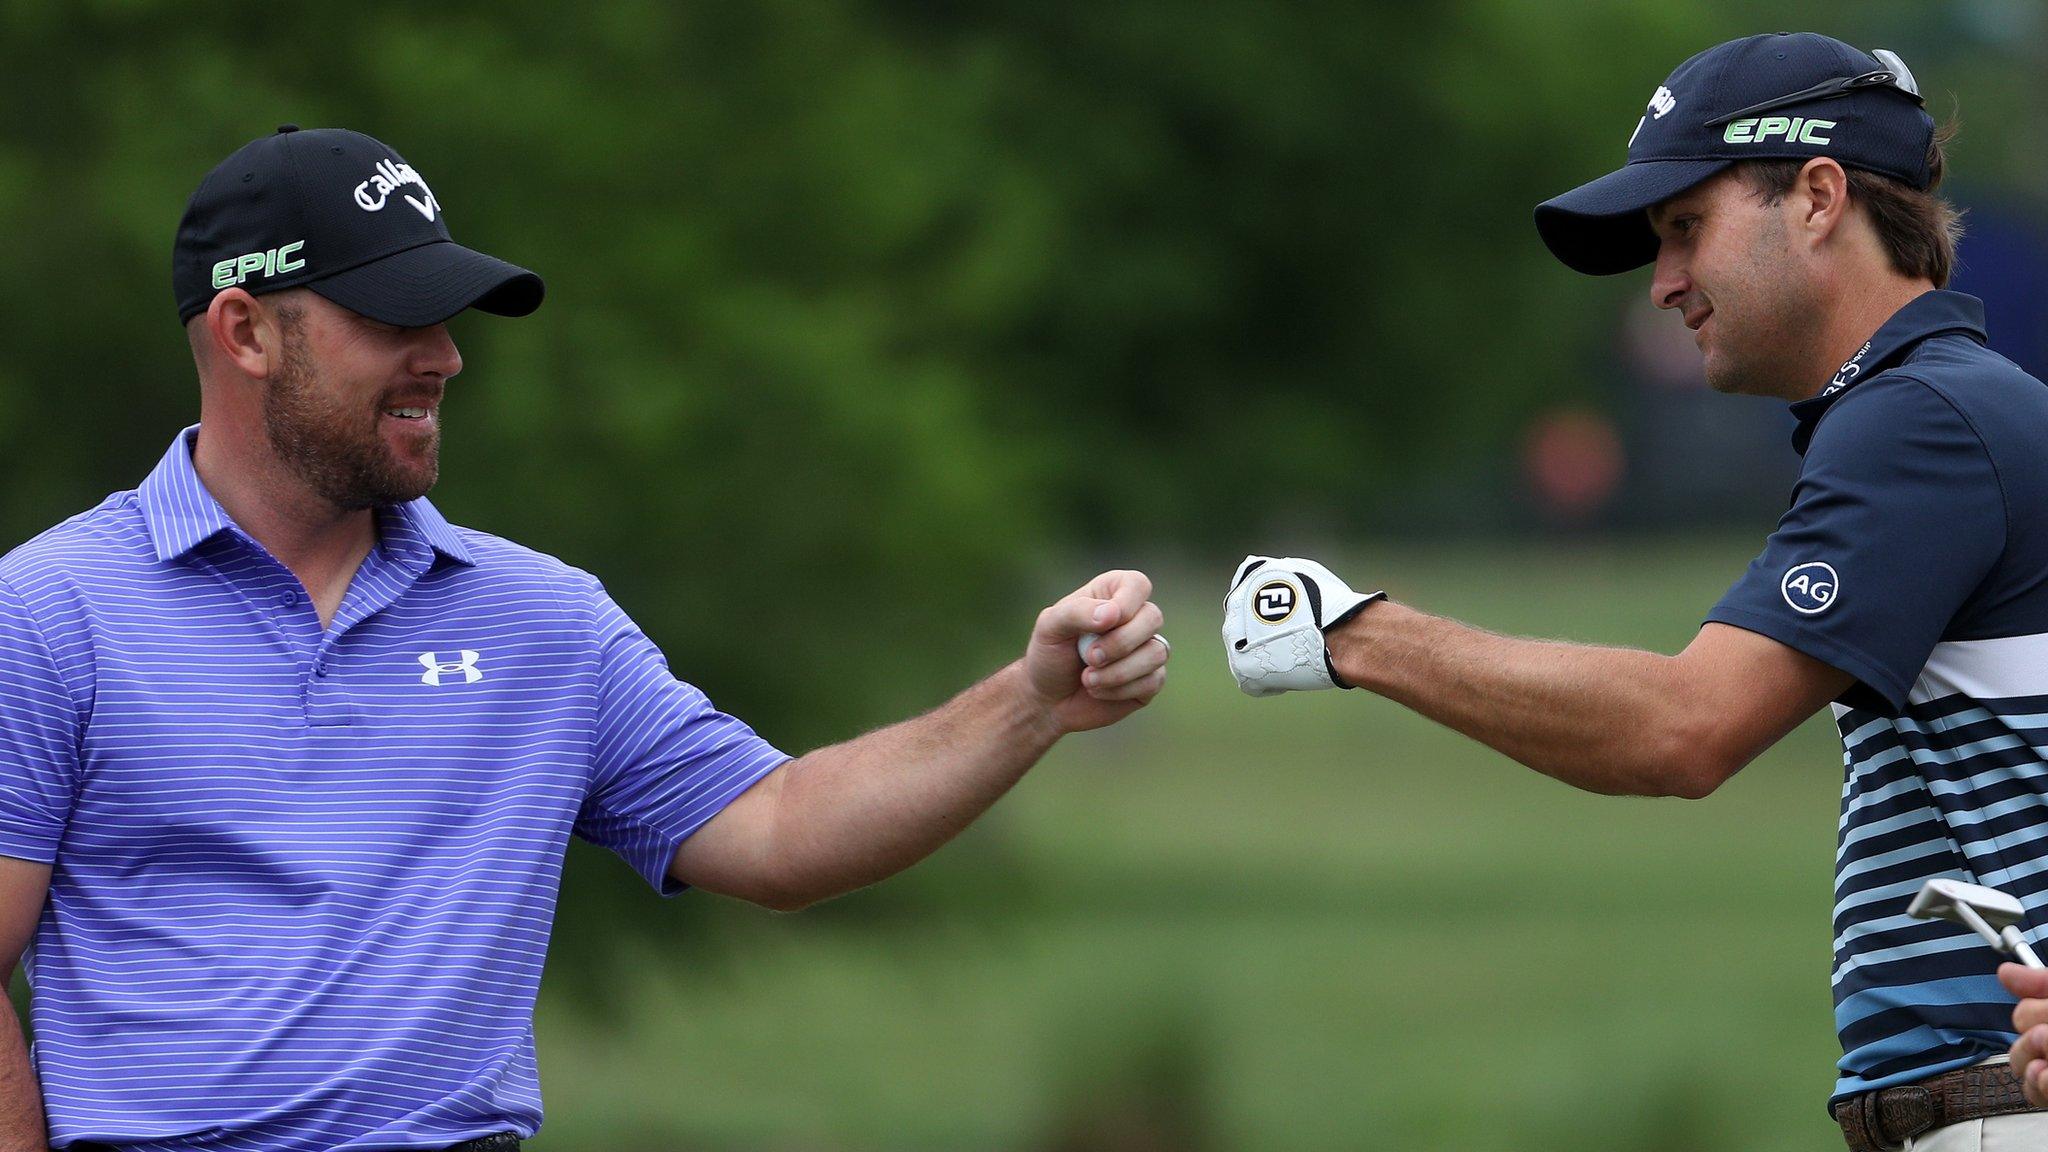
x: 1915, y: 557
x: 303, y: 878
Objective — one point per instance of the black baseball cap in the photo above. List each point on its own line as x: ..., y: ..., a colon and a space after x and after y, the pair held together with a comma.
x: 344, y: 215
x: 1785, y: 95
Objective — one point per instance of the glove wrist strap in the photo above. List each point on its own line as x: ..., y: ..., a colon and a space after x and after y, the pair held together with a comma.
x: 1330, y: 661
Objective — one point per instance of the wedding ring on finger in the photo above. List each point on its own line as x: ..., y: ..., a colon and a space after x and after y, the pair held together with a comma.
x: 1089, y: 638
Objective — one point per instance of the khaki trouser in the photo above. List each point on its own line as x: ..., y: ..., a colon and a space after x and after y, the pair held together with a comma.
x: 2026, y: 1132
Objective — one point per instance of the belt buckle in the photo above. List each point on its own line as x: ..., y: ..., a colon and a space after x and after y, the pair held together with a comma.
x: 1912, y: 1104
x: 1869, y: 1126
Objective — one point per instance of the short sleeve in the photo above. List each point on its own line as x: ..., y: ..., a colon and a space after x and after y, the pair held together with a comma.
x: 1896, y: 520
x: 664, y: 760
x: 39, y: 729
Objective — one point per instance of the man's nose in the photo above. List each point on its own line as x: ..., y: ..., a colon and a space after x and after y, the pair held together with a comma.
x: 435, y: 354
x: 1670, y: 283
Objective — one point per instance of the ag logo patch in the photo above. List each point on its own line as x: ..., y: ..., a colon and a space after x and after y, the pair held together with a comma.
x: 1274, y: 601
x: 1810, y: 588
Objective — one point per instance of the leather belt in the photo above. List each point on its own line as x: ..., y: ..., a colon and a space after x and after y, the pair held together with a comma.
x: 1882, y: 1121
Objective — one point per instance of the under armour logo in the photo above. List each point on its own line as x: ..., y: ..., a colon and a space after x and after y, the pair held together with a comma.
x: 437, y: 667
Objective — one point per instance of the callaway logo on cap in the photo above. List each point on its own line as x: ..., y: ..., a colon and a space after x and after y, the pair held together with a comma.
x: 1787, y: 95
x: 344, y: 215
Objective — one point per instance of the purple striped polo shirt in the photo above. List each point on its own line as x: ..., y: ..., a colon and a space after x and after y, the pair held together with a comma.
x: 303, y: 878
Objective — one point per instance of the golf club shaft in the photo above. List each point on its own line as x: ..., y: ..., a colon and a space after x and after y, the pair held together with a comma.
x: 2020, y: 948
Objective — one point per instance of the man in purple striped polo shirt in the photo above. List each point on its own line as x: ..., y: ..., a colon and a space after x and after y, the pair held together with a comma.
x: 288, y: 763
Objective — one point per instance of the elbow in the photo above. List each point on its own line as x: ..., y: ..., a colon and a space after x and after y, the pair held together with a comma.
x: 1692, y: 766
x: 775, y: 891
x: 1697, y: 784
x: 786, y: 901
x: 790, y: 893
x: 779, y: 895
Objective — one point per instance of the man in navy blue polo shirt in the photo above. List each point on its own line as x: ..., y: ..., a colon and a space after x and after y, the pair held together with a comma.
x: 1784, y: 188
x: 288, y: 763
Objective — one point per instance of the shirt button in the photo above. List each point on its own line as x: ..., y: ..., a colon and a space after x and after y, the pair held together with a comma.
x: 320, y: 669
x: 289, y: 599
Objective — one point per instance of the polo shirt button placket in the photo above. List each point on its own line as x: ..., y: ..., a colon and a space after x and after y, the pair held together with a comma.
x: 326, y: 707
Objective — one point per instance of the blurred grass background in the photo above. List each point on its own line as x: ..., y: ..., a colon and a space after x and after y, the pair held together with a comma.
x: 876, y: 324
x: 1310, y: 922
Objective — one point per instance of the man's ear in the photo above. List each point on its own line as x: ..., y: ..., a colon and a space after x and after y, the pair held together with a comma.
x: 1821, y: 198
x: 243, y: 333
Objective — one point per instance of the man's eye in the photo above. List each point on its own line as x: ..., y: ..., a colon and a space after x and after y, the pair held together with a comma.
x: 1684, y: 225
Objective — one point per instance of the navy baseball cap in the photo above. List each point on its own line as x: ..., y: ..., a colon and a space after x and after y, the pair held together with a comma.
x: 344, y: 215
x: 1785, y: 95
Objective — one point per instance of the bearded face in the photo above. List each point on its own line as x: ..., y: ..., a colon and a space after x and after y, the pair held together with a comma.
x: 355, y: 444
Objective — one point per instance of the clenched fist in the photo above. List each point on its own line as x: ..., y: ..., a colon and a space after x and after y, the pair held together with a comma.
x: 1125, y: 666
x: 1274, y: 618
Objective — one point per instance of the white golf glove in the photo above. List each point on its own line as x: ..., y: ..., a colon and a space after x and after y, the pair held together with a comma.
x: 1274, y: 619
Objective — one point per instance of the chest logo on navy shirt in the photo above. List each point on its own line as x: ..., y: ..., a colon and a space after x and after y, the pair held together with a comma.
x: 437, y: 669
x: 1811, y: 588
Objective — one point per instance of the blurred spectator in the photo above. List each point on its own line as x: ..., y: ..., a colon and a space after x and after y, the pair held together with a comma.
x: 1697, y: 457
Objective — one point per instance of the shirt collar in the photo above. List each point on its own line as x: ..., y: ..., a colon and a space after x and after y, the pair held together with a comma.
x: 1928, y: 314
x: 181, y: 514
x: 417, y: 528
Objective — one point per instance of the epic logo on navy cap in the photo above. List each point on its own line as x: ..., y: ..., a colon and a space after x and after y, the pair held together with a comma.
x: 1780, y: 96
x: 312, y: 209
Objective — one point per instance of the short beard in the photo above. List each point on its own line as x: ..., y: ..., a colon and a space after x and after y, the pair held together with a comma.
x: 332, y: 448
x: 1764, y: 338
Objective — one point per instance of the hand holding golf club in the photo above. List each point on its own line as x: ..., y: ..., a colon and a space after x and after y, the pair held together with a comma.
x: 1274, y: 619
x: 2030, y: 1052
x: 1995, y: 916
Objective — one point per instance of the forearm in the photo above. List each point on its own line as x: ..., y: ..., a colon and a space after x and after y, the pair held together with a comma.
x: 850, y: 814
x: 21, y: 1097
x: 1602, y: 719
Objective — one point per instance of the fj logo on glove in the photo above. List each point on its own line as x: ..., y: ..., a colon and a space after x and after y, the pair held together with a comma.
x: 1275, y: 601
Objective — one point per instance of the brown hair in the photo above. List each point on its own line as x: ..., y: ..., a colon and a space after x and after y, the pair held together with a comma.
x: 1917, y: 227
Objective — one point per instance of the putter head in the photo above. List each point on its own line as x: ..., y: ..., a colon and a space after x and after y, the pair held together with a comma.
x: 1939, y: 898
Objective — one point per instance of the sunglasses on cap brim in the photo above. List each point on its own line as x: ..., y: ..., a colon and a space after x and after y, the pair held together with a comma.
x: 1894, y: 75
